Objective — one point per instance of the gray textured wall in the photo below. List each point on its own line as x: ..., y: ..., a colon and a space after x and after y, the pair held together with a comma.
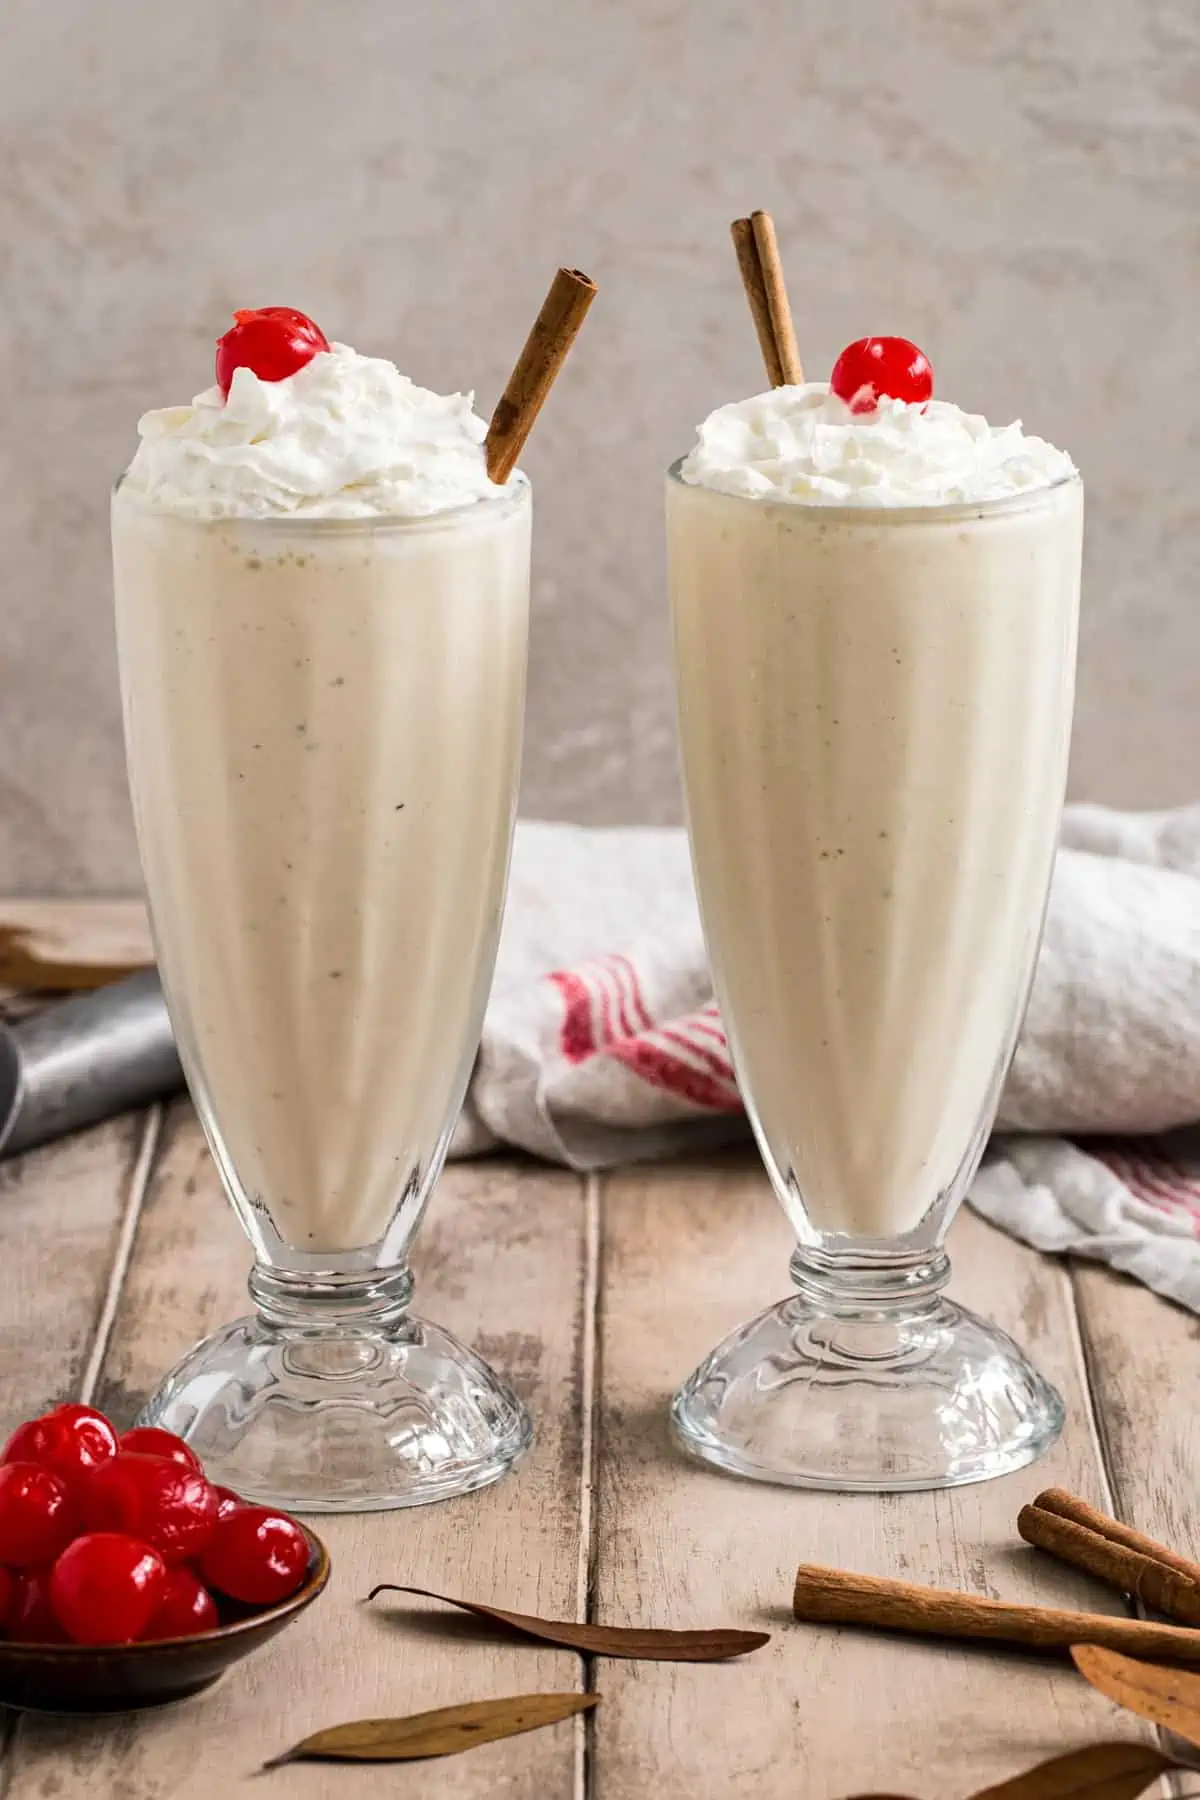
x: 1015, y: 186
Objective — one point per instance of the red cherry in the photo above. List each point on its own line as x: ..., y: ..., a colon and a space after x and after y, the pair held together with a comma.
x: 152, y: 1498
x: 105, y: 1588
x: 185, y: 1608
x: 255, y: 1555
x: 72, y: 1440
x: 6, y: 1596
x: 38, y: 1514
x: 30, y: 1619
x: 878, y: 366
x: 152, y: 1440
x: 274, y: 341
x: 227, y: 1502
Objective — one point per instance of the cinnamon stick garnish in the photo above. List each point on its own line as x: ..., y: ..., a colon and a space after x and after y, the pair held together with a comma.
x: 553, y: 332
x: 1070, y: 1506
x: 1156, y: 1585
x: 762, y: 277
x: 777, y: 301
x: 838, y: 1597
x: 742, y: 232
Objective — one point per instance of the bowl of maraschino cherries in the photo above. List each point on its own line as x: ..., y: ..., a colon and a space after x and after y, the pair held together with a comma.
x: 127, y: 1578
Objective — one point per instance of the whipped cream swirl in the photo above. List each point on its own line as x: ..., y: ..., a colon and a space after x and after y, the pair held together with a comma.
x: 804, y: 444
x: 345, y: 437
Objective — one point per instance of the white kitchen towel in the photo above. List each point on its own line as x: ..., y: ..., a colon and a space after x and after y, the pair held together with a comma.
x: 603, y: 1045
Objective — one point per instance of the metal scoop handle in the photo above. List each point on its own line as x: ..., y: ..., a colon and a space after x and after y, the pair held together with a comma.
x: 84, y: 1059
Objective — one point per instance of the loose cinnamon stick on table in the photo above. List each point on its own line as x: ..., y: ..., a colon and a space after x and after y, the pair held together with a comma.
x: 838, y: 1597
x: 551, y: 336
x: 1164, y: 1589
x: 1070, y: 1506
x: 762, y: 277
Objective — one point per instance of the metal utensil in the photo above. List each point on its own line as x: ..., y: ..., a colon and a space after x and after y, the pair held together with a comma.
x: 84, y: 1059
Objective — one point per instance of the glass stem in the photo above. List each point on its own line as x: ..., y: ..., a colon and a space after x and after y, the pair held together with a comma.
x: 843, y: 1283
x: 331, y: 1304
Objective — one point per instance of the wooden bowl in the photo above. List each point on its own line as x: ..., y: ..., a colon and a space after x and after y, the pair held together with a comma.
x: 82, y: 1678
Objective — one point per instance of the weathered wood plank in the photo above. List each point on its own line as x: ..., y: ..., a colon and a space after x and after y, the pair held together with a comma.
x: 62, y: 1209
x: 1143, y: 1355
x: 502, y: 1262
x: 688, y: 1252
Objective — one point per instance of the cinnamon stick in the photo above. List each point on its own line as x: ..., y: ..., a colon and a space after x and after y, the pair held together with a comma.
x: 762, y: 277
x: 777, y: 301
x: 742, y: 232
x: 1070, y: 1506
x: 838, y: 1597
x: 551, y: 336
x: 1163, y: 1589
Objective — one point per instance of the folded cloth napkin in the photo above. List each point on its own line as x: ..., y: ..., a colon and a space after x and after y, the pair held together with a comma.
x: 603, y: 1044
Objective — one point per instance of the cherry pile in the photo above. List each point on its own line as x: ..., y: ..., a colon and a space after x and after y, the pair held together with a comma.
x: 112, y: 1538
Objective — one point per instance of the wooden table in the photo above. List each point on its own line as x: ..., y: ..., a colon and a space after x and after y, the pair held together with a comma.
x: 595, y: 1297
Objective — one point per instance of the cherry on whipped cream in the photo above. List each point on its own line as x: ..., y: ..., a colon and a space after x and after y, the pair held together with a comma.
x: 873, y: 367
x: 274, y: 341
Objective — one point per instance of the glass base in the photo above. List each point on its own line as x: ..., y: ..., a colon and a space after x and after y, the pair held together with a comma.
x: 357, y: 1416
x: 849, y: 1391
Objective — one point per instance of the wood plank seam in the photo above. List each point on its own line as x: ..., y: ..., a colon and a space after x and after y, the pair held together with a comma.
x: 1171, y: 1784
x: 589, y: 1451
x: 1086, y: 1362
x: 139, y: 1186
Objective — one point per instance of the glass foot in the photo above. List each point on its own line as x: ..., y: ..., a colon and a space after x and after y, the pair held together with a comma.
x: 867, y: 1399
x: 355, y: 1421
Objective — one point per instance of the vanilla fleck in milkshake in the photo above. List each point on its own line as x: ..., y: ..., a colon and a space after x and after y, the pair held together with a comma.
x: 322, y: 616
x: 875, y: 604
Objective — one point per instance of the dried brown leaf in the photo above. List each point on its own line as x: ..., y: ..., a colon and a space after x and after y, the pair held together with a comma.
x: 1100, y: 1772
x: 604, y: 1640
x: 443, y: 1732
x: 1165, y: 1696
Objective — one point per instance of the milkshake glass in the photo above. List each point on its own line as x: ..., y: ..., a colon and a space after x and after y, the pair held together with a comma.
x: 875, y: 627
x: 322, y: 613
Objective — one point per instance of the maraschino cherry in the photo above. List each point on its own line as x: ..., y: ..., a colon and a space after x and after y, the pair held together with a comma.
x: 155, y: 1499
x: 152, y: 1440
x: 72, y: 1440
x: 274, y: 341
x: 38, y: 1515
x: 256, y: 1556
x: 186, y: 1607
x: 105, y: 1588
x: 873, y: 367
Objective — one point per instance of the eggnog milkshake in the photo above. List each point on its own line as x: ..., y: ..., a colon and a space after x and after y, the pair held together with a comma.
x: 324, y: 731
x: 875, y: 604
x: 875, y: 706
x: 322, y: 606
x: 323, y: 689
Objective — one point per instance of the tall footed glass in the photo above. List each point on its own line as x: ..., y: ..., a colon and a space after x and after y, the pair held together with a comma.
x: 875, y: 709
x: 323, y: 725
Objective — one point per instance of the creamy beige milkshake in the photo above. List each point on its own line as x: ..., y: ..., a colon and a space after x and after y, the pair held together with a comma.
x: 875, y: 624
x: 322, y: 596
x: 322, y: 617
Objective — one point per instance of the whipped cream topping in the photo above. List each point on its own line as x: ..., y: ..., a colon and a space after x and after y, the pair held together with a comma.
x: 804, y: 444
x: 345, y: 437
